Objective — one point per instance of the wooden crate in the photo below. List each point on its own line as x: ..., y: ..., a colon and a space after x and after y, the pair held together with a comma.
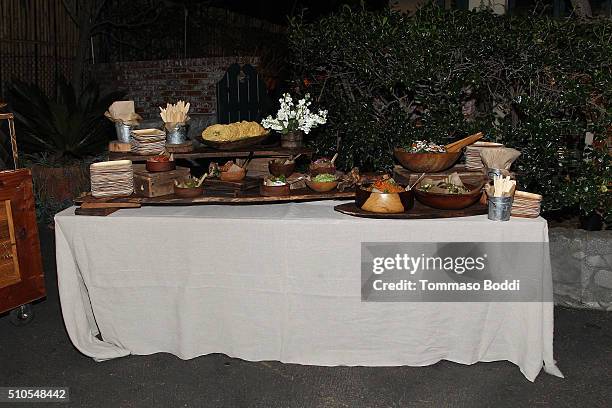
x: 147, y: 184
x: 21, y: 274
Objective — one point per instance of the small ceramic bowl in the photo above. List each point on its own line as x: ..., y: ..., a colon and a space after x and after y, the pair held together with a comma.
x: 184, y: 192
x: 279, y: 169
x: 315, y: 171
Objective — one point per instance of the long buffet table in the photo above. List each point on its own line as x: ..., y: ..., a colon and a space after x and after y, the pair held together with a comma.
x: 279, y: 282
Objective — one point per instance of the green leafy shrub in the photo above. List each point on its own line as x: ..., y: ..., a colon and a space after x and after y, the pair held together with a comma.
x: 65, y: 128
x: 533, y: 83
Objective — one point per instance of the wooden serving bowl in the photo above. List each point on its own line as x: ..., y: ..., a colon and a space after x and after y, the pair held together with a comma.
x: 279, y: 169
x: 237, y: 144
x: 154, y: 166
x: 383, y: 203
x: 315, y: 171
x: 322, y: 186
x: 275, y: 191
x: 233, y: 175
x: 426, y: 162
x: 188, y: 192
x: 449, y: 201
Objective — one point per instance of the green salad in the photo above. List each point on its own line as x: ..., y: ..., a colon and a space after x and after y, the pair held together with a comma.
x: 324, y: 178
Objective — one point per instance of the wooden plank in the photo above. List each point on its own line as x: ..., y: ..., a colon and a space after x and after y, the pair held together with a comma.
x: 227, y: 197
x: 98, y: 212
x: 209, y: 153
x: 246, y: 184
x: 110, y: 204
x: 117, y: 199
x: 9, y: 271
x: 118, y: 147
x: 251, y: 197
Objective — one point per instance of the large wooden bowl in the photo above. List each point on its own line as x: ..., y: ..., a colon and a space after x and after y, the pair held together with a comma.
x: 315, y: 171
x: 383, y: 203
x: 236, y: 144
x: 279, y: 169
x: 449, y: 201
x: 322, y: 186
x: 426, y: 162
x: 185, y: 192
x: 233, y: 175
x: 275, y: 191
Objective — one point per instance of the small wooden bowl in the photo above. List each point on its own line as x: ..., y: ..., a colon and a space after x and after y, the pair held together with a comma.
x: 315, y: 171
x: 275, y: 191
x: 233, y: 175
x: 154, y: 166
x: 188, y: 192
x: 449, y: 201
x: 278, y: 169
x: 426, y: 162
x: 383, y: 203
x: 322, y: 186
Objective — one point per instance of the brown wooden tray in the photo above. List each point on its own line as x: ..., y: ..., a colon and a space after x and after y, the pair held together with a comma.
x: 249, y: 197
x: 211, y: 153
x: 222, y: 197
x: 419, y: 211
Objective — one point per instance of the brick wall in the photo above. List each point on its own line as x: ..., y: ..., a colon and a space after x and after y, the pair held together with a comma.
x: 154, y: 83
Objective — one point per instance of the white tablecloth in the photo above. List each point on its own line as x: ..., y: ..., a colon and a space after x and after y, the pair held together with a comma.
x: 279, y: 282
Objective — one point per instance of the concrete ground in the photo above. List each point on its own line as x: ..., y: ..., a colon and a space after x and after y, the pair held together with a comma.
x: 41, y: 354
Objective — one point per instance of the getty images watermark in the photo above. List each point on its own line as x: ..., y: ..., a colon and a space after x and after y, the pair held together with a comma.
x: 455, y: 272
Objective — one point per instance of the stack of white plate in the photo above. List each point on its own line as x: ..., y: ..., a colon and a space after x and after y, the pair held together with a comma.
x: 472, y: 154
x: 526, y: 204
x: 112, y: 178
x: 148, y: 141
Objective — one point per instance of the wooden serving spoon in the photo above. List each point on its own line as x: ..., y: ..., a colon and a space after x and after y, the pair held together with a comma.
x: 460, y: 144
x: 202, y: 179
x: 248, y: 160
x: 334, y: 158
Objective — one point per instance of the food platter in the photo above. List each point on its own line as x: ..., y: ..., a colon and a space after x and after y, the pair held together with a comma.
x: 419, y: 211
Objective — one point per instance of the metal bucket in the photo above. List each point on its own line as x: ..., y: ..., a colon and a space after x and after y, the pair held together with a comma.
x: 500, y: 208
x: 123, y: 132
x: 292, y: 140
x: 177, y: 135
x: 491, y: 173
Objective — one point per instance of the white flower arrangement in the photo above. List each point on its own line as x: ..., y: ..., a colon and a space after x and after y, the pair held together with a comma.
x: 291, y: 117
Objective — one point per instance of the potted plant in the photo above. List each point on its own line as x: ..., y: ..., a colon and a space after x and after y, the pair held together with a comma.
x: 60, y: 136
x: 293, y: 120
